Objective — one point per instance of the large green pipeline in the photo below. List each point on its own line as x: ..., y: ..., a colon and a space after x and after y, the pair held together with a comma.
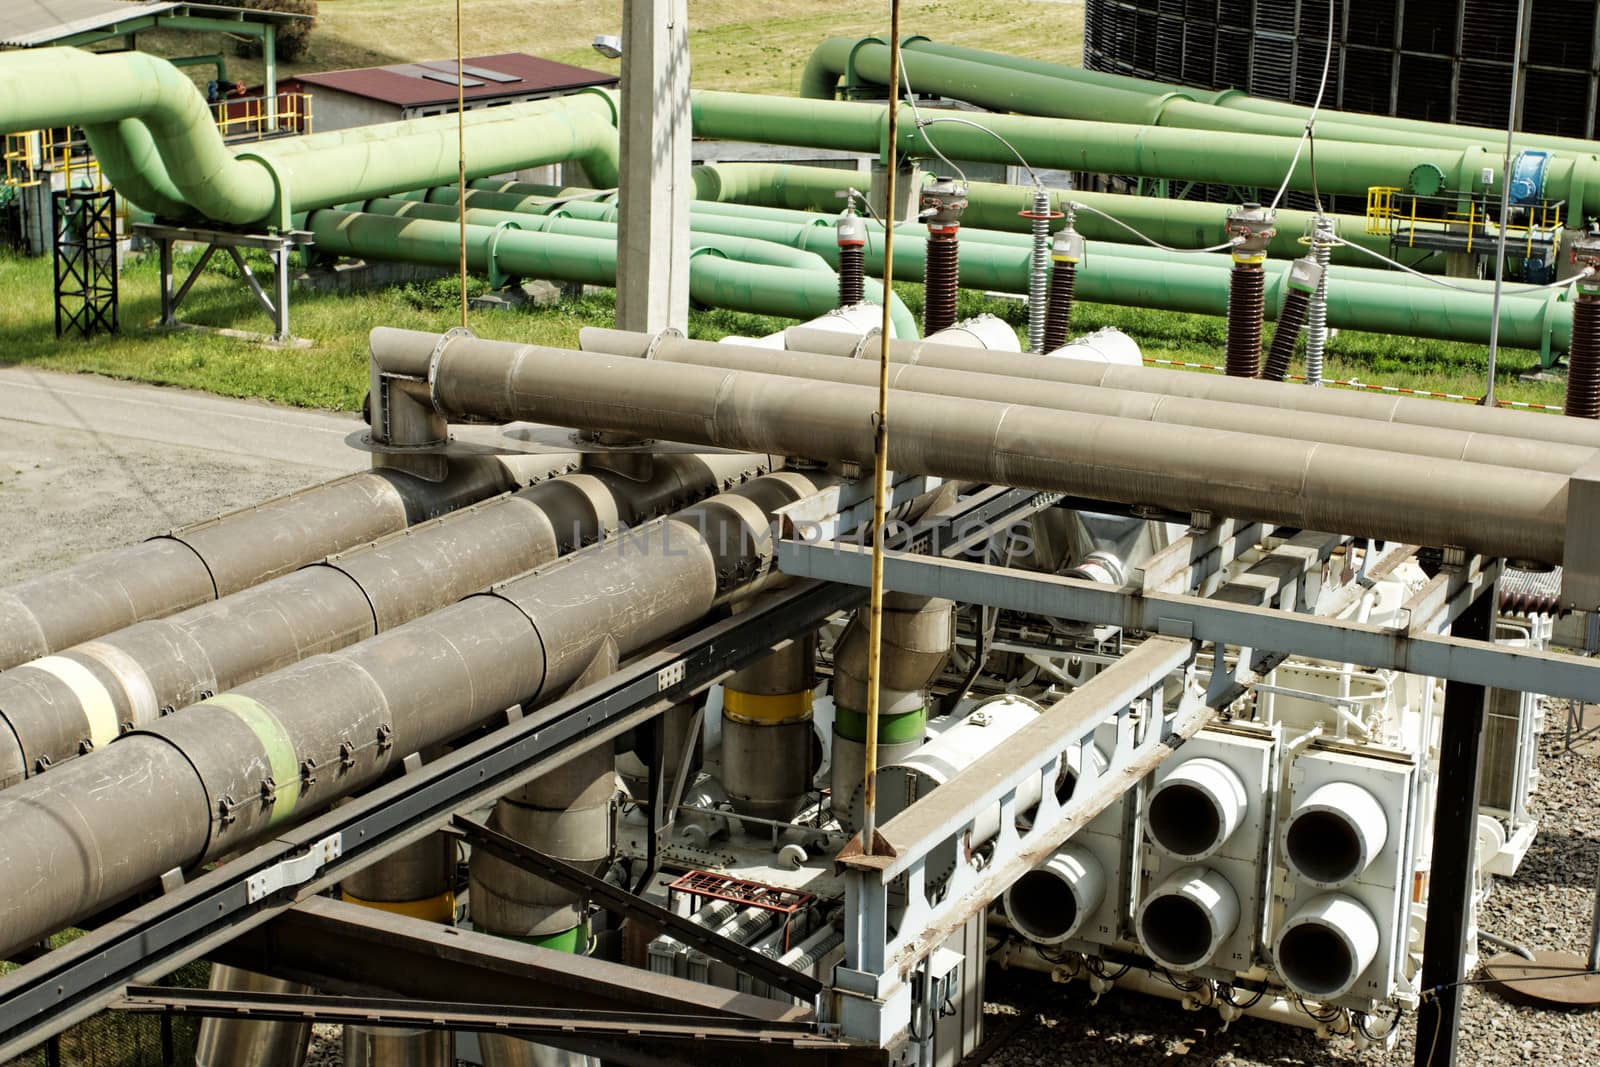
x: 866, y: 61
x: 1386, y: 128
x: 1136, y: 276
x: 992, y: 206
x: 1346, y: 168
x: 111, y: 93
x: 714, y: 280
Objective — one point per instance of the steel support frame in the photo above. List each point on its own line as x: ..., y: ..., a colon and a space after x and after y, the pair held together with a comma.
x: 278, y: 246
x: 890, y: 891
x: 65, y: 986
x: 1416, y: 647
x: 84, y: 258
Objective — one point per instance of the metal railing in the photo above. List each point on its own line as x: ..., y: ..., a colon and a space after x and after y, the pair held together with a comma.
x: 255, y: 118
x: 1405, y: 217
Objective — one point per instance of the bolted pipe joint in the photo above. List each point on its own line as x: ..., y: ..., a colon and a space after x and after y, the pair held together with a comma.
x: 1252, y: 228
x: 1049, y: 904
x: 1334, y: 833
x: 1195, y: 808
x: 852, y: 237
x: 942, y: 203
x: 1303, y: 278
x: 1184, y: 920
x: 1325, y: 947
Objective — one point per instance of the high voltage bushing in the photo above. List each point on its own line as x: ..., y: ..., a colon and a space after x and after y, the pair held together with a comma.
x: 1303, y: 277
x: 1066, y: 254
x: 1252, y: 228
x: 1041, y: 215
x: 1317, y: 314
x: 1583, y: 358
x: 852, y: 258
x: 942, y: 203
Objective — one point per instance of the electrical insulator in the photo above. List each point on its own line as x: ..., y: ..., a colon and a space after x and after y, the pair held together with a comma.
x: 1252, y: 226
x: 1066, y: 254
x: 1041, y: 215
x: 852, y: 258
x: 1583, y: 357
x: 1304, y: 275
x: 942, y: 203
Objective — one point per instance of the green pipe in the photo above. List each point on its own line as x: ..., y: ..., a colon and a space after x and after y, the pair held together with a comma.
x: 212, y: 60
x: 106, y: 91
x: 1029, y: 93
x: 1130, y: 275
x: 1384, y: 127
x: 502, y: 251
x: 1343, y: 167
x: 743, y: 247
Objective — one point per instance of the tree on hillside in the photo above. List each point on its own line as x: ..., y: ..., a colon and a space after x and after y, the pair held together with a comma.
x: 293, y: 38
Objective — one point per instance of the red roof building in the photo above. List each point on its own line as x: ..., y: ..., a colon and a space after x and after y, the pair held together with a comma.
x: 345, y: 98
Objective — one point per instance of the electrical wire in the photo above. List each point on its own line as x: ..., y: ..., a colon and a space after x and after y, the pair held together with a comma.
x: 950, y: 120
x: 916, y: 119
x: 1076, y: 206
x: 1311, y: 119
x: 1450, y: 285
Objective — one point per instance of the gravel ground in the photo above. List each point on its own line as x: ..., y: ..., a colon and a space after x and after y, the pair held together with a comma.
x: 1548, y: 905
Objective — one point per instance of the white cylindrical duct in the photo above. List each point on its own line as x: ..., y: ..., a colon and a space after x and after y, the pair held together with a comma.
x: 989, y: 332
x: 1325, y: 946
x: 857, y: 320
x: 1195, y: 808
x: 1334, y: 833
x: 251, y: 1042
x: 914, y: 777
x: 1106, y: 345
x: 1184, y: 920
x: 1049, y: 903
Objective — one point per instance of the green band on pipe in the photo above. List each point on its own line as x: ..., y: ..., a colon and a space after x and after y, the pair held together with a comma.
x: 892, y: 729
x: 278, y: 745
x: 574, y: 940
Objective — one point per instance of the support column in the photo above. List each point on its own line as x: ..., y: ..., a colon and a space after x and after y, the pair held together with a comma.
x: 1455, y: 833
x: 269, y: 81
x: 653, y: 230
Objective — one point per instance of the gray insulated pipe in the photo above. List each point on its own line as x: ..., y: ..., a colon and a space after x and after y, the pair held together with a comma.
x: 768, y: 752
x: 917, y: 634
x: 83, y: 697
x: 223, y: 555
x: 1358, y: 490
x: 228, y: 771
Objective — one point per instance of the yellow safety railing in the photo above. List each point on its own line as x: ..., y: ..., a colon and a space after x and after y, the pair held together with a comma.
x: 249, y: 118
x: 1381, y: 213
x: 31, y: 155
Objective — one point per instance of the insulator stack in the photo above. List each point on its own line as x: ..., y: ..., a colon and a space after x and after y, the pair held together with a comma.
x: 1067, y: 253
x: 1304, y: 274
x: 1039, y: 273
x: 1246, y: 303
x: 852, y: 259
x: 1317, y: 312
x: 1252, y: 228
x: 943, y: 201
x: 1529, y: 604
x: 1583, y: 358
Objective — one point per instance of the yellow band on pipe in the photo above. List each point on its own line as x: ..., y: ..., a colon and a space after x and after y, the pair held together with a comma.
x: 766, y: 709
x: 439, y: 909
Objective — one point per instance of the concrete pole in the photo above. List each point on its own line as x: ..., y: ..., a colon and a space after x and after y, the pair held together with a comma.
x: 655, y: 187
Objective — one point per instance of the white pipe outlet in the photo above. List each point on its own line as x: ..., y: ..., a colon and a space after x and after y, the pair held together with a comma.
x: 1107, y: 345
x: 988, y: 332
x: 1334, y: 833
x: 1184, y: 920
x: 1050, y: 903
x: 1326, y: 946
x: 1195, y: 809
x: 857, y: 320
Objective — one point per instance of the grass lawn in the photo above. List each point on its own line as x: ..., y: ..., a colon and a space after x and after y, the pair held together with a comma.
x: 332, y: 373
x: 733, y: 44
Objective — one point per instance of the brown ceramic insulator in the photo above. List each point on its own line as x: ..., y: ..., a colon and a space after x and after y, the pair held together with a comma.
x: 1529, y: 604
x: 1583, y: 359
x: 1284, y: 337
x: 1246, y: 302
x: 852, y: 275
x: 940, y: 277
x: 1058, y: 312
